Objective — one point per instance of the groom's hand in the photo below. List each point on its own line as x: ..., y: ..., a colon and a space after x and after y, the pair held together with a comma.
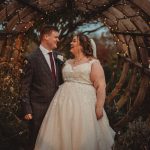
x: 28, y: 117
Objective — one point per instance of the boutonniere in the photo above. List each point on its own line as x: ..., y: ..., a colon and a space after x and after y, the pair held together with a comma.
x: 60, y: 57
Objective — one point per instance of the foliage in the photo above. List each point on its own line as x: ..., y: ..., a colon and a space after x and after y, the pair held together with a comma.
x: 136, y: 137
x: 12, y: 128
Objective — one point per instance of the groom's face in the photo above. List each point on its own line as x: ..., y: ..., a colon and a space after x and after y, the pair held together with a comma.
x: 52, y: 39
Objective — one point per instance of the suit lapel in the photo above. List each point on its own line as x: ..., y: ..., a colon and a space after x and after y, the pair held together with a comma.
x: 45, y: 64
x: 56, y: 63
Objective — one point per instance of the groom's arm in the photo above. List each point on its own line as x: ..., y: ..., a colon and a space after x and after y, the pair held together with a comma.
x: 26, y: 81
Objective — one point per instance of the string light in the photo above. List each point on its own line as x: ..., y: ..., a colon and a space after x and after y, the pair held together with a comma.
x: 83, y: 3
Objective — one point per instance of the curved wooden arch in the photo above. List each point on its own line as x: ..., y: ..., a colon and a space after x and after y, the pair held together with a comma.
x: 136, y: 49
x: 129, y: 27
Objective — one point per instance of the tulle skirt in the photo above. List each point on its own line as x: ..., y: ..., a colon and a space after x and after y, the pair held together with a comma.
x: 71, y: 124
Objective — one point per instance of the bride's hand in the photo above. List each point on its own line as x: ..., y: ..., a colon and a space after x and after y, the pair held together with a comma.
x: 99, y: 112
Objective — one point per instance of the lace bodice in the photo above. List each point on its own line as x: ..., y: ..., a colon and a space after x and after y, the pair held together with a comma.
x: 79, y: 73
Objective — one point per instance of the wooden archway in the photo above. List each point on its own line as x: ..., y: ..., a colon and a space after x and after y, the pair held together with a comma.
x: 128, y: 21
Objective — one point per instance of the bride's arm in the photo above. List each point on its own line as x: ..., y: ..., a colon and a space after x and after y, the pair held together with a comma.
x: 98, y: 79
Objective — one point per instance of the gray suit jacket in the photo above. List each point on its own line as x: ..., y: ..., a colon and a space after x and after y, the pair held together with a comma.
x: 37, y: 85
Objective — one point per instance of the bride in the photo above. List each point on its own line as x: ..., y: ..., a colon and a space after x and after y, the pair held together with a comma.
x: 76, y: 119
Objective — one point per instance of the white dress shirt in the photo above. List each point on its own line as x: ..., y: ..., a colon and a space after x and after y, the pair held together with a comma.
x: 46, y: 56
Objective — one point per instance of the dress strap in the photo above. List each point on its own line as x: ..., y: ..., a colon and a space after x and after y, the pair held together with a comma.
x: 94, y: 60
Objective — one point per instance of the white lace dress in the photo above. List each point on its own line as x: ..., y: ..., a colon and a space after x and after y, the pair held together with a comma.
x: 70, y: 122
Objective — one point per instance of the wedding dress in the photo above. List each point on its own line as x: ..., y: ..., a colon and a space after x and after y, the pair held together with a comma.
x: 70, y: 122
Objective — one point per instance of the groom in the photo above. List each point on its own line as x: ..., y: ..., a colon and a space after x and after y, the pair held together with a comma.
x: 40, y: 80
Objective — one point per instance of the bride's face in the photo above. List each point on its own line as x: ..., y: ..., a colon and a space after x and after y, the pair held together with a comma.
x: 75, y: 46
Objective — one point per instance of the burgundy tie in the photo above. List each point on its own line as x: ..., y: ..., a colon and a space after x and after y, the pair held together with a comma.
x: 52, y: 65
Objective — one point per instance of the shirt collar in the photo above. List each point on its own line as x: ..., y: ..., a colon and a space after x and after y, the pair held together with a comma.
x: 44, y: 50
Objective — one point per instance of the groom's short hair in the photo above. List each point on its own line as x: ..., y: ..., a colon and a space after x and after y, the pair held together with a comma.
x: 46, y: 29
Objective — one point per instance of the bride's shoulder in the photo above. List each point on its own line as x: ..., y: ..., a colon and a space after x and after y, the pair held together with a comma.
x: 93, y: 60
